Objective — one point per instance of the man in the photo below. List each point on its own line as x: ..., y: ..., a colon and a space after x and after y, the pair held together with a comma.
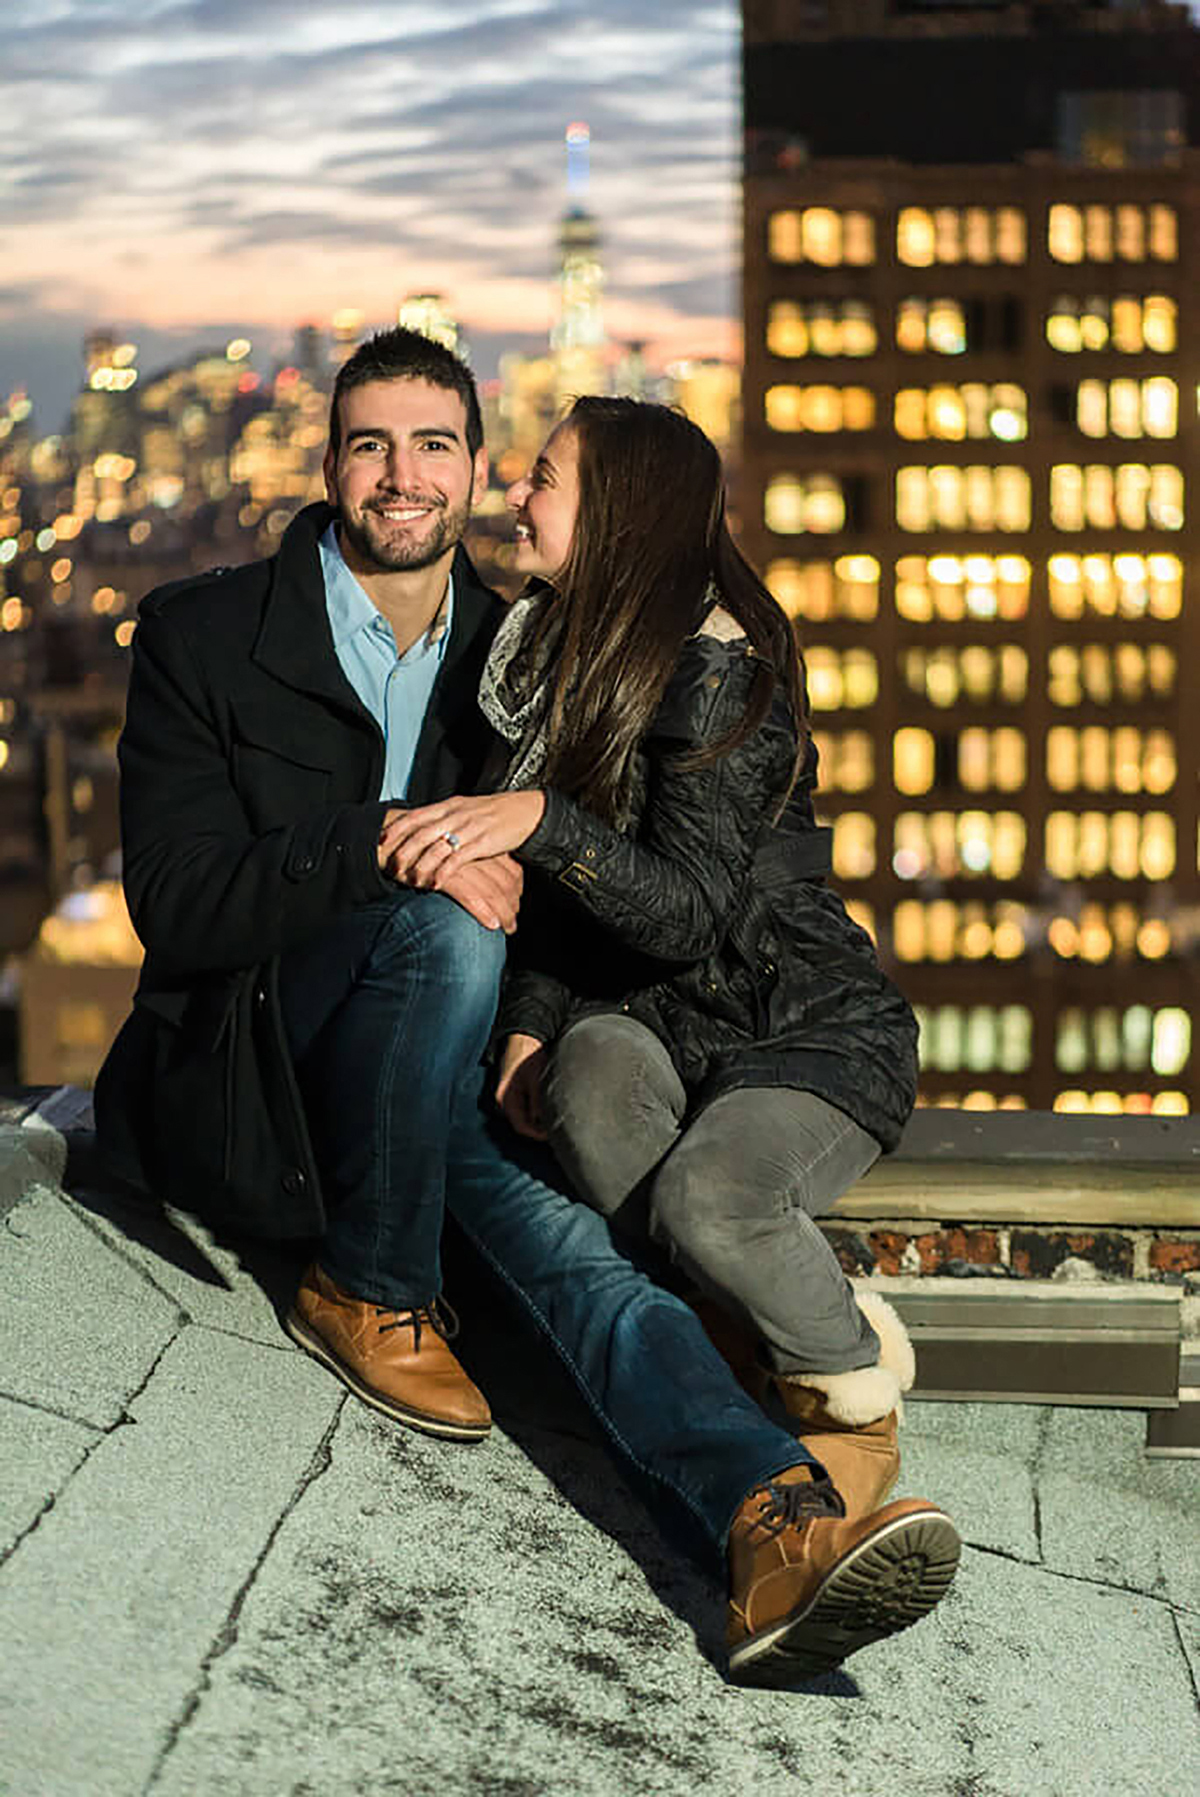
x: 303, y: 1059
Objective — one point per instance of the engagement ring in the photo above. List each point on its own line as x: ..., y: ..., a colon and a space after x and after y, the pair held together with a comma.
x: 451, y: 838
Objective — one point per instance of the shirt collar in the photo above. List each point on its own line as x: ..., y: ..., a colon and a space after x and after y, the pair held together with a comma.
x: 350, y: 610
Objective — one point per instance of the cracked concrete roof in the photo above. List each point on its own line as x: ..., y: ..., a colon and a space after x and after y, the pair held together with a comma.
x: 220, y: 1573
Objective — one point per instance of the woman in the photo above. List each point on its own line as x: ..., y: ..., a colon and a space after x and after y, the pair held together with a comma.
x: 691, y: 1017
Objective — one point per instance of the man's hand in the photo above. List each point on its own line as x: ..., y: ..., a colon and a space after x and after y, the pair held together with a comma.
x: 490, y: 890
x: 519, y: 1087
x: 426, y: 845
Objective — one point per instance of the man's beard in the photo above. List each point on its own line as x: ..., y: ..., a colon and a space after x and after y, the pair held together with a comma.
x: 394, y: 554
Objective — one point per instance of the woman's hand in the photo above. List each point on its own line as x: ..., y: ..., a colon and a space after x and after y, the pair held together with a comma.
x: 427, y: 845
x: 519, y: 1087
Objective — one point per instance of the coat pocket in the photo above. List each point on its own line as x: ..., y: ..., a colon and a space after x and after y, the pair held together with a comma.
x: 282, y: 768
x: 229, y: 1135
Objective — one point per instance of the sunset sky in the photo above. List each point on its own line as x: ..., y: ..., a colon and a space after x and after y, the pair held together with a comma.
x: 186, y: 169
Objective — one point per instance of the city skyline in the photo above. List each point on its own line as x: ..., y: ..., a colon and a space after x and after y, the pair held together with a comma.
x: 176, y: 174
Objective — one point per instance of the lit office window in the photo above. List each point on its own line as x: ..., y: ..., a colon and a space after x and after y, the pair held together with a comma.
x: 1131, y: 496
x: 819, y: 408
x: 915, y: 240
x: 912, y: 761
x: 1128, y: 408
x: 819, y: 590
x: 820, y: 328
x: 1126, y: 233
x: 945, y: 676
x: 952, y: 587
x: 1096, y: 672
x: 784, y: 241
x: 1130, y: 233
x: 853, y: 845
x: 1074, y: 325
x: 957, y: 498
x: 944, y: 931
x: 1073, y: 1101
x: 1100, y: 933
x: 1065, y: 233
x: 1164, y: 234
x: 1134, y: 1040
x: 787, y: 329
x: 821, y: 236
x: 952, y: 845
x: 977, y: 1039
x: 971, y: 410
x: 950, y: 234
x: 931, y: 324
x: 846, y: 760
x: 814, y: 504
x: 991, y: 760
x: 1159, y: 331
x: 1098, y: 759
x: 1010, y: 237
x: 841, y: 679
x: 1127, y: 844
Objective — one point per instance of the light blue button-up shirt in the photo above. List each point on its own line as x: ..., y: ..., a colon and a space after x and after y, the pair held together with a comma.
x: 394, y: 688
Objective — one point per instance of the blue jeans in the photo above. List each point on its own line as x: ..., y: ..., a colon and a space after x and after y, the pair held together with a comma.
x: 387, y: 1013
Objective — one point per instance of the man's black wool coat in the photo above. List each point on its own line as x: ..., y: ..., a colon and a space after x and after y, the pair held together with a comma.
x: 250, y: 816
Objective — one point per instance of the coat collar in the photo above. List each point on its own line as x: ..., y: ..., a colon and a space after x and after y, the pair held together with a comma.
x: 294, y: 641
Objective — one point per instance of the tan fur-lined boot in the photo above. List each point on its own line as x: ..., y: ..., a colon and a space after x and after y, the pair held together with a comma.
x: 848, y: 1421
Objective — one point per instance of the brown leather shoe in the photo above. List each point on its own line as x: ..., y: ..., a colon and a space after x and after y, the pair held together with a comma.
x: 395, y: 1360
x: 863, y: 1459
x: 807, y: 1587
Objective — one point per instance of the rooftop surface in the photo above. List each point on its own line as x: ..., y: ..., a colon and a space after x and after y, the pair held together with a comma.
x: 219, y: 1573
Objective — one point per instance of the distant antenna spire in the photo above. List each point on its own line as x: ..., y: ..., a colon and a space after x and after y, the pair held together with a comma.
x: 578, y: 139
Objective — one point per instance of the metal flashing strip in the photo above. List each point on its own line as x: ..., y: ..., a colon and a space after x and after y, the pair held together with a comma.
x: 1036, y: 1167
x: 1175, y: 1434
x: 1040, y: 1343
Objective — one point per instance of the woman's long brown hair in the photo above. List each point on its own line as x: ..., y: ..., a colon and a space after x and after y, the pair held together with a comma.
x: 649, y: 538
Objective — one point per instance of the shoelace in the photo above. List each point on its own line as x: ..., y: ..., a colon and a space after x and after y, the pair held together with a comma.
x: 440, y: 1316
x: 785, y: 1505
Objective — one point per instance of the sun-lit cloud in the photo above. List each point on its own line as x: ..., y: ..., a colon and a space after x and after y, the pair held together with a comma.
x: 168, y: 161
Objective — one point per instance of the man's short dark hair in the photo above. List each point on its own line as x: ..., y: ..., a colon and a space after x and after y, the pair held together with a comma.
x: 404, y: 355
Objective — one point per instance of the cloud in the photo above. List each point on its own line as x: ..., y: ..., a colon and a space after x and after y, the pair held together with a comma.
x: 265, y: 153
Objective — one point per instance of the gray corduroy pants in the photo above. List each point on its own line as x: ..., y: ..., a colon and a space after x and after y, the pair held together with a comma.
x: 729, y: 1193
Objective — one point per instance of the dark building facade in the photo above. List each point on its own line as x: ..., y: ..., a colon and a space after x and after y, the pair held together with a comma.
x: 970, y: 474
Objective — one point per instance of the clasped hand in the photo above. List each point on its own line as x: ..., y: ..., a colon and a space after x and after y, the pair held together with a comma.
x: 477, y: 871
x: 428, y: 845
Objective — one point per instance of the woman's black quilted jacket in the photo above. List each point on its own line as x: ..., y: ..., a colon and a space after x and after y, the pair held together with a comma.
x: 709, y: 922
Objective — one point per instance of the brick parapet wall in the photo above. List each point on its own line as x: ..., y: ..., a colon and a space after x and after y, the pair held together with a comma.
x: 898, y: 1246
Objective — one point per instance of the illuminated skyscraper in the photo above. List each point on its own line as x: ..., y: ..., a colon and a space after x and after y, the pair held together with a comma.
x: 577, y: 340
x: 429, y: 314
x: 970, y: 423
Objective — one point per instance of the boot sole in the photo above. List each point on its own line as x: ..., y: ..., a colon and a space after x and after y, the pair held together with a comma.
x: 884, y: 1584
x: 313, y: 1344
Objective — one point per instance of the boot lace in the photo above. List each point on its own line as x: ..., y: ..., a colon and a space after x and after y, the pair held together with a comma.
x: 439, y: 1315
x: 784, y: 1506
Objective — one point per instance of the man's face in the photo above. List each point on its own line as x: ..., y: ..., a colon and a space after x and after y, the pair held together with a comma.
x: 403, y: 478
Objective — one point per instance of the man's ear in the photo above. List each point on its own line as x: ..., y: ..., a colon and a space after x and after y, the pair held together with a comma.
x: 479, y: 479
x: 329, y: 470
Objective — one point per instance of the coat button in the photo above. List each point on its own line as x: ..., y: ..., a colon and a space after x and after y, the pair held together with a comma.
x: 294, y: 1182
x: 306, y: 864
x: 260, y: 995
